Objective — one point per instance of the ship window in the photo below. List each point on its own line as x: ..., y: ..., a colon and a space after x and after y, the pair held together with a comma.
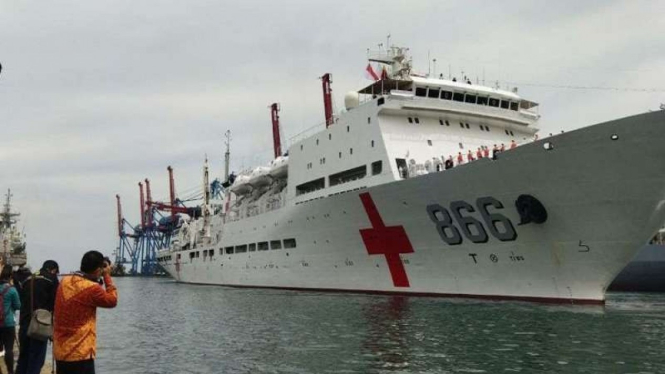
x: 511, y: 133
x: 252, y: 247
x: 348, y: 128
x: 347, y: 176
x: 507, y: 133
x: 505, y: 104
x: 416, y: 119
x: 429, y: 142
x: 329, y: 136
x: 381, y: 101
x: 221, y: 251
x: 446, y: 95
x: 458, y: 96
x: 514, y: 106
x: 263, y: 246
x: 301, y: 147
x: 289, y: 243
x: 433, y: 93
x: 377, y: 167
x: 461, y: 125
x: 369, y: 119
x: 205, y: 254
x: 494, y: 102
x: 212, y: 252
x: 317, y: 141
x: 421, y: 91
x: 441, y: 122
x: 447, y: 123
x: 487, y: 128
x: 351, y: 151
x: 410, y: 120
x: 198, y: 254
x: 310, y: 186
x: 467, y: 125
x: 372, y: 143
x: 470, y: 99
x: 177, y: 256
x: 461, y: 146
x: 275, y: 244
x: 482, y: 100
x: 191, y: 255
x: 241, y: 248
x: 340, y: 155
x: 228, y: 250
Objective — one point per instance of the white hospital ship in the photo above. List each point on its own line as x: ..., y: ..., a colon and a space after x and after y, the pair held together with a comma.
x: 367, y: 204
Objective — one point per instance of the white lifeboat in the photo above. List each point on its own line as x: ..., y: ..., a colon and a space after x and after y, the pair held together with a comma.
x: 260, y: 177
x: 241, y: 185
x: 279, y: 167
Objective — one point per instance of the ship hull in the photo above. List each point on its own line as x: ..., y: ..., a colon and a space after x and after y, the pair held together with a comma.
x: 645, y: 273
x: 603, y: 198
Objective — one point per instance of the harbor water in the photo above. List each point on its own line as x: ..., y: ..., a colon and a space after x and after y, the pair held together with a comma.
x: 160, y: 326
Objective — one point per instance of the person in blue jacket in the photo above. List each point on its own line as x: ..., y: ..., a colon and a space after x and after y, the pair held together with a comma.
x: 11, y: 304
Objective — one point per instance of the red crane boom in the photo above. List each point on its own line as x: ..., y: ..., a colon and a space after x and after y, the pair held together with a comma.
x: 117, y: 197
x: 142, y: 202
x: 327, y: 98
x: 276, y: 141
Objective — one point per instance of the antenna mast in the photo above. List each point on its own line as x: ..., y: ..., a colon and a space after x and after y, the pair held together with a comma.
x: 227, y: 155
x: 327, y: 98
x: 276, y: 141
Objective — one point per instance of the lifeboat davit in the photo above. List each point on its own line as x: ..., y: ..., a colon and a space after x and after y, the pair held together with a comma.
x: 241, y: 185
x: 279, y: 167
x: 260, y: 177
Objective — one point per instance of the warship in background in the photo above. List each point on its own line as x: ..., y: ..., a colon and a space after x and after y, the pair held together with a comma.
x: 12, y: 241
x: 646, y: 272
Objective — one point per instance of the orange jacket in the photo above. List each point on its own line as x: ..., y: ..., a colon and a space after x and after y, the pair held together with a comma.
x: 74, y: 322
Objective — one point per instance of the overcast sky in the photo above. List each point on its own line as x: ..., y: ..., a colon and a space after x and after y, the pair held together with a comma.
x: 98, y: 95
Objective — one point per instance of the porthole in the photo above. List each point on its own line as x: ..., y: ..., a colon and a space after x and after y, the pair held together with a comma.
x: 614, y: 137
x: 548, y: 146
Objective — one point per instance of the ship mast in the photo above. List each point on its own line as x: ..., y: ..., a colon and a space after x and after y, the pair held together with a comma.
x: 7, y: 215
x: 206, y: 200
x: 227, y: 155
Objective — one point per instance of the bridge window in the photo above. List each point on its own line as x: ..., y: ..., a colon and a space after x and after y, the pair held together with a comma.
x: 461, y: 125
x: 494, y: 102
x: 410, y: 120
x: 310, y: 186
x: 252, y: 247
x: 433, y: 93
x: 416, y: 120
x: 372, y: 143
x: 289, y: 243
x: 275, y: 244
x: 228, y: 250
x: 514, y: 105
x: 461, y: 146
x: 505, y: 104
x: 420, y: 91
x: 211, y: 252
x: 470, y: 99
x: 447, y: 123
x: 429, y: 142
x: 446, y: 95
x: 241, y: 248
x: 263, y: 246
x: 347, y: 176
x: 467, y: 125
x: 482, y: 100
x: 441, y: 122
x: 377, y: 167
x: 458, y: 96
x: 317, y: 141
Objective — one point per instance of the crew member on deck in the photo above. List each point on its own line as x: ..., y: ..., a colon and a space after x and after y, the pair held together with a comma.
x: 503, y: 147
x: 469, y: 156
x: 449, y: 162
x: 513, y: 145
x: 460, y: 158
x: 479, y: 154
x: 486, y: 152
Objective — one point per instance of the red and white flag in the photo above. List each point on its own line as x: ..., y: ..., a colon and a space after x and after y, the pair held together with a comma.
x: 370, y: 73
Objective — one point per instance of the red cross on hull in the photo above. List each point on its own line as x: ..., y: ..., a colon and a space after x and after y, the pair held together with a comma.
x: 388, y: 241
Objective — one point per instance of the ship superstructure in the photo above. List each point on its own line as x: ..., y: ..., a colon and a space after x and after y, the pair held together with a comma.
x: 372, y: 203
x: 12, y: 241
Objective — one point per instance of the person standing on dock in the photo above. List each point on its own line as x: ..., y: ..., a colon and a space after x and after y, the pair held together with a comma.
x: 10, y: 305
x: 75, y: 320
x: 37, y: 292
